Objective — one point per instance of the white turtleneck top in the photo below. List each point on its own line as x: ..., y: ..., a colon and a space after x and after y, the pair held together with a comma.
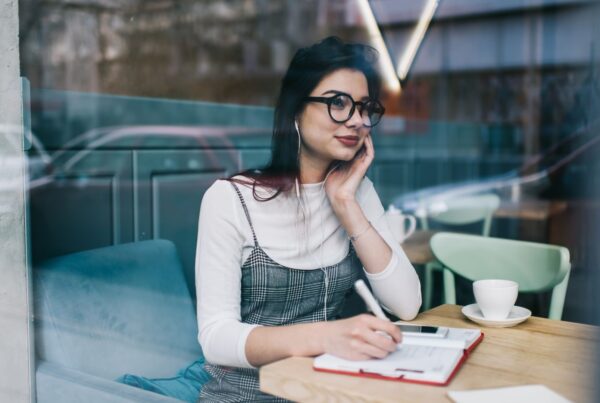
x: 304, y: 235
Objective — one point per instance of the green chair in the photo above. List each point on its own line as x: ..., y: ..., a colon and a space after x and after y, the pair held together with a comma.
x: 536, y: 267
x: 456, y: 211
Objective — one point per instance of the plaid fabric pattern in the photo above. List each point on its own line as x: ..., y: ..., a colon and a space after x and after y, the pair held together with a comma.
x: 275, y: 295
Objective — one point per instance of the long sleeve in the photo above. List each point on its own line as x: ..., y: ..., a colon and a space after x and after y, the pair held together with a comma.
x: 225, y: 241
x: 221, y: 333
x: 397, y: 287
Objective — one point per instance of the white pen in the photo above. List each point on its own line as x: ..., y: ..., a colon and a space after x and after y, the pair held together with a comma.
x: 362, y: 290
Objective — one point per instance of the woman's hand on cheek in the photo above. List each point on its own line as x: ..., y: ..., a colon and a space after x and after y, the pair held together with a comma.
x: 342, y: 183
x: 361, y: 337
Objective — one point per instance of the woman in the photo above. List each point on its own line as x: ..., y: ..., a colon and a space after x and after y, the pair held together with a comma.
x: 279, y: 249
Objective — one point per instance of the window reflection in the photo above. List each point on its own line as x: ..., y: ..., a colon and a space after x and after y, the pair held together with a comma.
x: 138, y: 107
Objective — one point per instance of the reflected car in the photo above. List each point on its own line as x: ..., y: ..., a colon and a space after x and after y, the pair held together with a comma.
x: 564, y: 171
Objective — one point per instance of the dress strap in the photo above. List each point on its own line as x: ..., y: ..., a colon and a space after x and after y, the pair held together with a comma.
x: 237, y: 190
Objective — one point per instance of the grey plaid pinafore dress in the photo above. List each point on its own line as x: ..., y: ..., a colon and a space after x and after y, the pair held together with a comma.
x: 275, y: 295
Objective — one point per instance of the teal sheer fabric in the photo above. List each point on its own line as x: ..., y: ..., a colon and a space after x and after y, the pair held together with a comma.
x: 185, y: 386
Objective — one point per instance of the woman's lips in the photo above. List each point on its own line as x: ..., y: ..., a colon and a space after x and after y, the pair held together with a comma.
x: 349, y: 141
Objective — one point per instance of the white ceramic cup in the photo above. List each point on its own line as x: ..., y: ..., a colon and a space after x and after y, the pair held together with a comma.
x: 495, y: 297
x: 401, y: 225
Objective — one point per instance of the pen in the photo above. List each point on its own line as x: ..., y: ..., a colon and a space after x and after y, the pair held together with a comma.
x: 362, y: 290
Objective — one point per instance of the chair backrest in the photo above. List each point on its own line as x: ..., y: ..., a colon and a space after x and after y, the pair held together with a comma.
x: 536, y: 267
x: 462, y: 210
x: 116, y: 310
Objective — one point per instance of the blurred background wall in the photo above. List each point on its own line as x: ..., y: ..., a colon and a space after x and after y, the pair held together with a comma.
x: 526, y: 64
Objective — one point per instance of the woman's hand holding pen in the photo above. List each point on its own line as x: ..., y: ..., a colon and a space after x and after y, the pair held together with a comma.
x: 360, y: 338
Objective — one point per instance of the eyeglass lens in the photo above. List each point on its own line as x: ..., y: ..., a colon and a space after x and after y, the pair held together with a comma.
x: 341, y: 110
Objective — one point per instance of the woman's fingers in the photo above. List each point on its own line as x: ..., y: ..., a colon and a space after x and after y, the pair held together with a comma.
x: 369, y: 145
x: 362, y: 337
x: 382, y: 336
x: 361, y: 164
x: 379, y: 339
x: 368, y: 349
x: 383, y: 325
x: 369, y: 154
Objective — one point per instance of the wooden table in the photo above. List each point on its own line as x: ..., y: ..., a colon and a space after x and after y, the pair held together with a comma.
x: 417, y: 247
x: 530, y: 209
x: 560, y: 355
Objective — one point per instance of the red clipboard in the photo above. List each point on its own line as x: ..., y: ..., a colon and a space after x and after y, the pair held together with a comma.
x: 402, y: 378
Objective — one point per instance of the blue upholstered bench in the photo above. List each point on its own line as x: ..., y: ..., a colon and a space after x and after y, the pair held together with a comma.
x: 105, y: 313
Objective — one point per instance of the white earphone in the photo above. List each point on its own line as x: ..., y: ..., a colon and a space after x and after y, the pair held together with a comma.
x: 297, y: 129
x: 320, y: 257
x: 298, y: 133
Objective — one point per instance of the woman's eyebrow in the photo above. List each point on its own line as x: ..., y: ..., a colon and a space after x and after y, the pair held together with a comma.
x: 366, y: 97
x: 335, y: 92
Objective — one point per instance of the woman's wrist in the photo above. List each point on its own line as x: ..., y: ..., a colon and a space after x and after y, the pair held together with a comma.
x: 351, y: 216
x: 341, y: 205
x: 314, y: 337
x: 354, y: 237
x: 323, y: 335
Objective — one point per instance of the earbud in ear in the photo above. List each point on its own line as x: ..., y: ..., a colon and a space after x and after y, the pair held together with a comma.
x: 298, y: 133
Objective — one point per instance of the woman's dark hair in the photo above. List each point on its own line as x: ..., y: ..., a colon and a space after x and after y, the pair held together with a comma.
x: 307, y: 68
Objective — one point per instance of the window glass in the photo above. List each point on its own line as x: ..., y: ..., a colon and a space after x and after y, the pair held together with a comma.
x: 136, y: 107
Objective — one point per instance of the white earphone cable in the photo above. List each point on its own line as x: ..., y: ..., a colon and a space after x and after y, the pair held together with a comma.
x: 318, y: 260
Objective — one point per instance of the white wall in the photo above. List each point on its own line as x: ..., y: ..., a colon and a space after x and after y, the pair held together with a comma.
x: 15, y: 342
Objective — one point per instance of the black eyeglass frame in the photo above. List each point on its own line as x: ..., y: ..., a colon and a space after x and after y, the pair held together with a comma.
x: 361, y: 105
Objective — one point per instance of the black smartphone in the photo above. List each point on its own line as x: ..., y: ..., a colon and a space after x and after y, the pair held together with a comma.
x: 430, y: 331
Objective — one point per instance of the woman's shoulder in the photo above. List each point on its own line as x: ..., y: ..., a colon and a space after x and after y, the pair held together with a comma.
x: 229, y: 184
x: 223, y: 194
x: 254, y: 187
x: 219, y: 188
x: 217, y: 199
x: 248, y: 187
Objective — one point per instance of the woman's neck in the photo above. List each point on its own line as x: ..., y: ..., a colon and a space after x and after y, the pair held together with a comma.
x: 312, y: 170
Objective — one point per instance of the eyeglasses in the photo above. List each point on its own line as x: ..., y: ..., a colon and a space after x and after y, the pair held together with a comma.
x: 341, y: 108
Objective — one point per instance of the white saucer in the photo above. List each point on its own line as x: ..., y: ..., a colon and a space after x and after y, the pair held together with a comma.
x: 517, y: 315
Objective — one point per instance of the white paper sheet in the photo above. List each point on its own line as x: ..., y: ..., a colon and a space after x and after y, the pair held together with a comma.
x: 423, y: 363
x: 513, y: 394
